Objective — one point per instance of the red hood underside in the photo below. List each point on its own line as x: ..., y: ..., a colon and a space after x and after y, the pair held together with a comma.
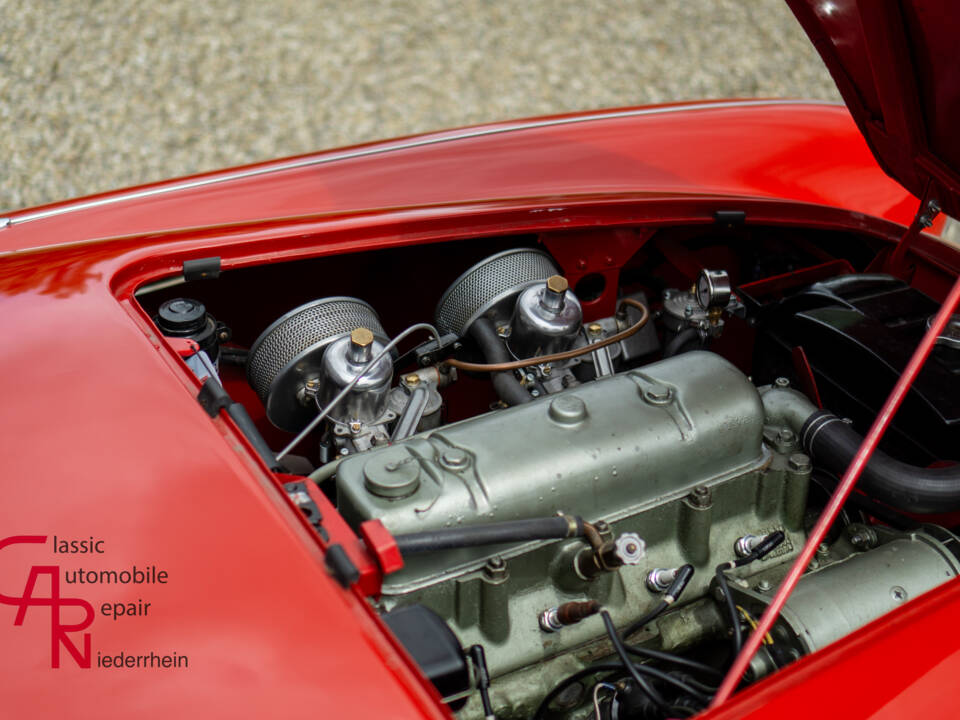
x: 897, y: 68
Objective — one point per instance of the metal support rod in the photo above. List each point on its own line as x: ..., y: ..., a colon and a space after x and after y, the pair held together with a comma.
x: 839, y: 497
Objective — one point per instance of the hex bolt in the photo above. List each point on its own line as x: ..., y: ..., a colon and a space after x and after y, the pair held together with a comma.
x: 361, y: 346
x: 785, y: 436
x: 658, y: 394
x: 764, y: 586
x: 454, y: 458
x: 554, y: 293
x: 495, y: 569
x: 700, y: 497
x: 799, y: 463
x: 823, y: 550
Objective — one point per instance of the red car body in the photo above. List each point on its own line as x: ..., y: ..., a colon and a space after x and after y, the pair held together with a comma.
x: 103, y: 436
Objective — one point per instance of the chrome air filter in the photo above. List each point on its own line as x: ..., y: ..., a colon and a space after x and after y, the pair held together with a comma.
x: 287, y: 354
x: 490, y: 287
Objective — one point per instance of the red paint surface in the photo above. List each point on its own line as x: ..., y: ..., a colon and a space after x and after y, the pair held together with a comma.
x: 809, y: 153
x: 102, y: 435
x: 896, y: 66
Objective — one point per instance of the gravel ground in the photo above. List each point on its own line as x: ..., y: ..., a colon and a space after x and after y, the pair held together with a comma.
x: 99, y: 94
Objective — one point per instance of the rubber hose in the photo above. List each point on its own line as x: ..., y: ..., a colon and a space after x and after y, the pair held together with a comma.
x: 832, y: 443
x: 549, y: 528
x: 508, y: 388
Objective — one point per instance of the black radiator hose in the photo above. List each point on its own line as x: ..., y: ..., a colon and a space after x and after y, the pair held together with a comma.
x: 494, y: 350
x: 548, y: 528
x: 832, y: 443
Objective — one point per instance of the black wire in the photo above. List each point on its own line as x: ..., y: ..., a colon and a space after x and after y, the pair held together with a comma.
x: 564, y: 684
x: 483, y: 678
x: 731, y: 610
x: 671, y: 658
x: 641, y: 681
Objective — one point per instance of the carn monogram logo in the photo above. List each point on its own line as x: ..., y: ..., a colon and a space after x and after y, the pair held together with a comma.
x: 58, y: 630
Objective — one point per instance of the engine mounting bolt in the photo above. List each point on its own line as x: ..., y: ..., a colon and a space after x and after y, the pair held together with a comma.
x: 764, y: 586
x: 782, y: 382
x: 799, y: 463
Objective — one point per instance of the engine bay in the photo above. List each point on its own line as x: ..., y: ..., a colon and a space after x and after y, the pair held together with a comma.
x: 597, y: 452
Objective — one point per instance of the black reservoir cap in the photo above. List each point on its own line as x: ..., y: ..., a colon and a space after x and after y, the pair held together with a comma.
x: 181, y: 317
x: 433, y: 646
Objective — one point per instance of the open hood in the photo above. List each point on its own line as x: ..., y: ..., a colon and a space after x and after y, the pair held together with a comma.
x: 898, y: 69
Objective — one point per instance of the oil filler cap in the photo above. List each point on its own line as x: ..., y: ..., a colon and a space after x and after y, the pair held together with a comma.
x: 394, y: 473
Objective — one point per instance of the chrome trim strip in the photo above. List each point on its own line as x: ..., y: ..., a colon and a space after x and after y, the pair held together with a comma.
x: 423, y: 142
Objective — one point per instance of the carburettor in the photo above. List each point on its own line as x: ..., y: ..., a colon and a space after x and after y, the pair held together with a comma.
x: 301, y: 363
